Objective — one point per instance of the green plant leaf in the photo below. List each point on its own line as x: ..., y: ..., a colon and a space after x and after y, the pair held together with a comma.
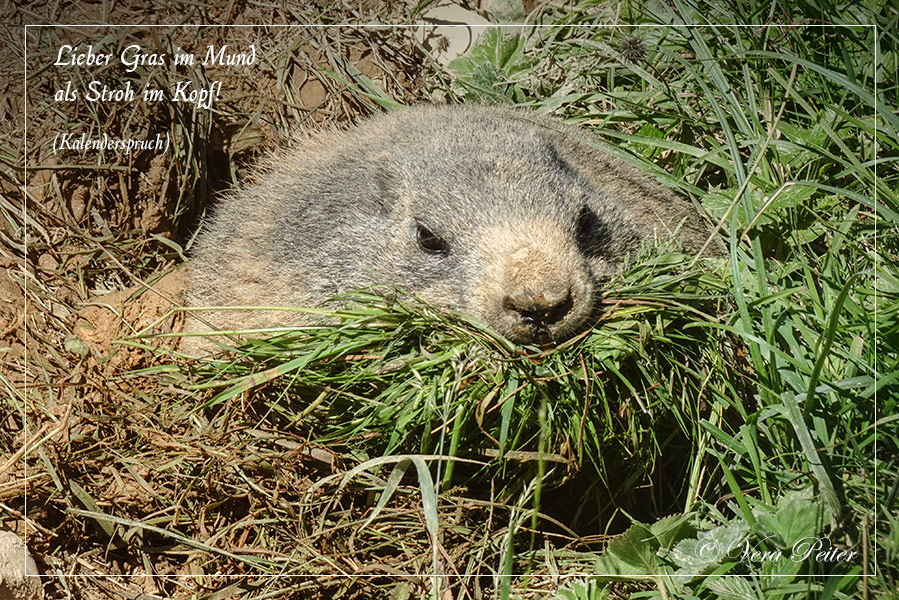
x: 709, y: 549
x: 633, y: 553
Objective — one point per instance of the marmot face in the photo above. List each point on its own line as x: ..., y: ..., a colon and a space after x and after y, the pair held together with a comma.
x: 506, y: 235
x: 508, y: 216
x: 528, y: 279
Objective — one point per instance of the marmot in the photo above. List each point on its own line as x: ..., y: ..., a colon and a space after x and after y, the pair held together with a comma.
x: 504, y: 215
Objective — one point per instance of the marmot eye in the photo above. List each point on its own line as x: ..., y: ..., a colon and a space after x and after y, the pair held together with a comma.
x: 430, y: 242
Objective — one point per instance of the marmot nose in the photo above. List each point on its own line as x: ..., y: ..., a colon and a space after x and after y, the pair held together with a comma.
x: 539, y: 310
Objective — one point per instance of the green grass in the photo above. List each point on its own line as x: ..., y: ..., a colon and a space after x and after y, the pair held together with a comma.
x: 773, y: 132
x: 415, y: 379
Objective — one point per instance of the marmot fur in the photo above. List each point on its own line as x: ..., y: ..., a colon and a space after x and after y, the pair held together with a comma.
x: 504, y: 215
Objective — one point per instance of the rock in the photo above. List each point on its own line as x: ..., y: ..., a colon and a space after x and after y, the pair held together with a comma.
x: 18, y: 573
x: 451, y: 30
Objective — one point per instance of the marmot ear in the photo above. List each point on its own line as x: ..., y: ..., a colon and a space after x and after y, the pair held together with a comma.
x: 631, y: 200
x: 591, y: 233
x: 387, y: 182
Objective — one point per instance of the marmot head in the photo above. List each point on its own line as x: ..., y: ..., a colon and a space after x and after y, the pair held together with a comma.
x: 507, y: 216
x: 488, y: 217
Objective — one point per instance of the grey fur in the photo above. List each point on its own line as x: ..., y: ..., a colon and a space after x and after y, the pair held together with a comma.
x: 529, y: 220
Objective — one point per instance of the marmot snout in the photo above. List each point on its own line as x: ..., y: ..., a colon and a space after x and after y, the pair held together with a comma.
x: 508, y: 216
x: 537, y: 285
